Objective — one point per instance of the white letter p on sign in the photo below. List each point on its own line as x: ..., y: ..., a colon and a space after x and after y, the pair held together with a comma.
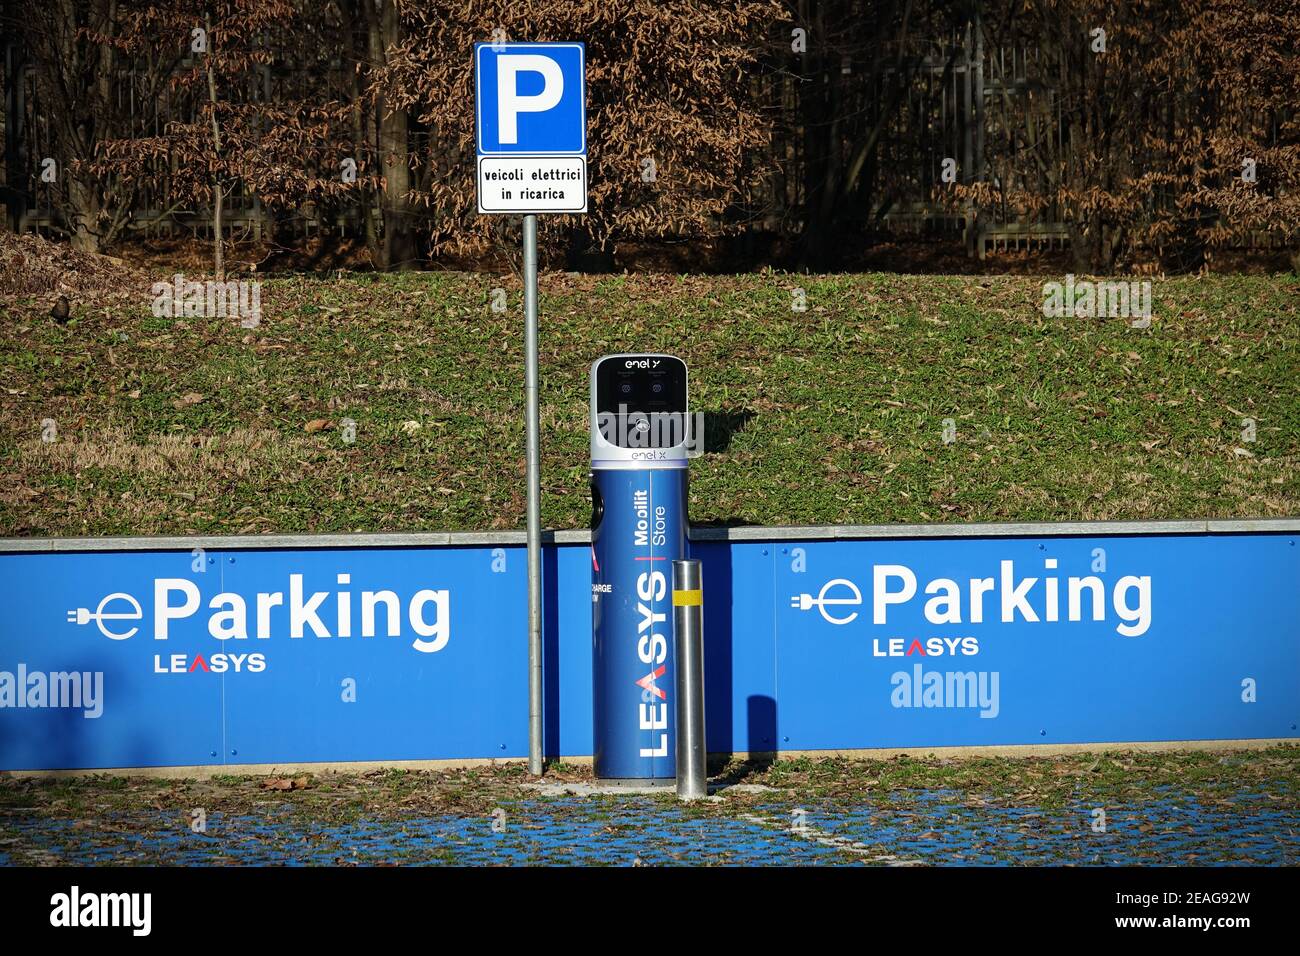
x: 510, y: 104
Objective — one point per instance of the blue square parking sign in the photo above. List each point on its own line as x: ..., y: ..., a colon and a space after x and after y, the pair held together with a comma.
x: 530, y: 99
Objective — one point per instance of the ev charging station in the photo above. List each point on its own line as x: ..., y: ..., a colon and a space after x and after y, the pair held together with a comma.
x: 530, y: 128
x: 639, y: 440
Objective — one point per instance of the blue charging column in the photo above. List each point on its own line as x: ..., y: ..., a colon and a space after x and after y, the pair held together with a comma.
x: 639, y: 440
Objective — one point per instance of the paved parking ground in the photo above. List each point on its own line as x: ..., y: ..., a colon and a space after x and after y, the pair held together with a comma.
x: 1201, y: 809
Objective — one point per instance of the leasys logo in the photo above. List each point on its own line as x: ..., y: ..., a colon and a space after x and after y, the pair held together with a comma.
x: 423, y: 616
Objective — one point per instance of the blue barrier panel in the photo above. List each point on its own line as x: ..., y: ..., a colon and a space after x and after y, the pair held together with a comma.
x: 1038, y: 640
x: 739, y: 646
x: 263, y: 657
x: 133, y: 658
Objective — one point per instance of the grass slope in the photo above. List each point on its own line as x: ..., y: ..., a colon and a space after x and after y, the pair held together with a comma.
x: 829, y: 415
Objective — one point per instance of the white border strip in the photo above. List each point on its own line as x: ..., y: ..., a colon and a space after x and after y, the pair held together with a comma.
x: 853, y: 532
x: 844, y: 532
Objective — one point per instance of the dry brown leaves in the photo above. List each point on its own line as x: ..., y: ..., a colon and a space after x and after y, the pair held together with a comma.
x: 32, y: 265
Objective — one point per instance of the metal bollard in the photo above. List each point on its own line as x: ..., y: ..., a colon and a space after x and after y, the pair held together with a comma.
x: 688, y: 630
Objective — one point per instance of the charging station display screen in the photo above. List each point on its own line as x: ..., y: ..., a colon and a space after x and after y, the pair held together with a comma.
x: 645, y: 386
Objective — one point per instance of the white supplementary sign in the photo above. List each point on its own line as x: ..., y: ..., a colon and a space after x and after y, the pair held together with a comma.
x: 531, y: 137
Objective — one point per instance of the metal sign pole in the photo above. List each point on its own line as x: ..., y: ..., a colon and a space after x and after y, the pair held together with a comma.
x: 534, y: 501
x: 525, y: 142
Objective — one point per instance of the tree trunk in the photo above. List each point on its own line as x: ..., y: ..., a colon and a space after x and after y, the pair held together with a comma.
x: 812, y: 96
x: 357, y: 93
x: 399, y: 249
x: 85, y: 208
x: 218, y: 200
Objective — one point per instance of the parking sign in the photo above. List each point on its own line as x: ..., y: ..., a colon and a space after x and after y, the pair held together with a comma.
x: 531, y: 127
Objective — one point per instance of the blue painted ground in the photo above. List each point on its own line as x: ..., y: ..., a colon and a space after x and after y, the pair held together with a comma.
x: 927, y: 827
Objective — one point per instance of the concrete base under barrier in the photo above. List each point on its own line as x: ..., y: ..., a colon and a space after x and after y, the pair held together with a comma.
x: 600, y: 788
x: 204, y: 772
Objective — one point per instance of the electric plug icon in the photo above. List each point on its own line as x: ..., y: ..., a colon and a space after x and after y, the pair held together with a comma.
x: 823, y: 600
x: 84, y: 615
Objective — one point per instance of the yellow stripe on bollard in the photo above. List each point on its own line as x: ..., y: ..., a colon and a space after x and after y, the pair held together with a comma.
x: 688, y: 598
